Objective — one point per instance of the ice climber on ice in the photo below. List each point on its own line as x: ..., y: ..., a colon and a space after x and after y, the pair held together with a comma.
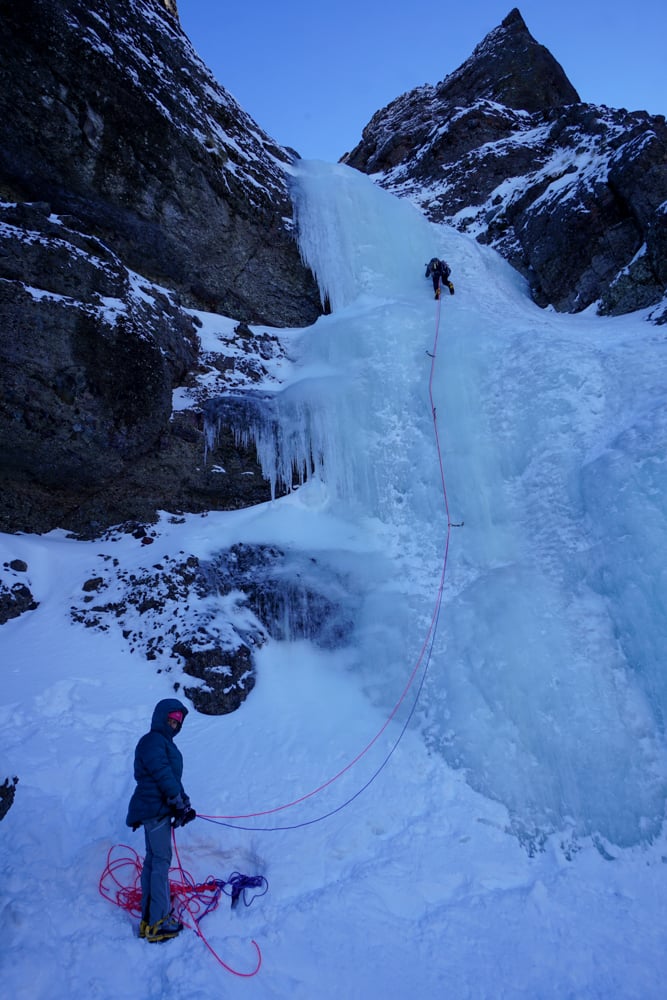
x: 439, y: 271
x: 158, y: 798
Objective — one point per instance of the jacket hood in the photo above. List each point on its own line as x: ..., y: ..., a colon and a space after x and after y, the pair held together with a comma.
x: 161, y: 711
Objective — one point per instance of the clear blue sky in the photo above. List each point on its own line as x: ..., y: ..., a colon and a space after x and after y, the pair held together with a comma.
x: 313, y: 74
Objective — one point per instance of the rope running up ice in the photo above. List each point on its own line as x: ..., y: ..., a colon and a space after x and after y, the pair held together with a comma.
x: 423, y: 658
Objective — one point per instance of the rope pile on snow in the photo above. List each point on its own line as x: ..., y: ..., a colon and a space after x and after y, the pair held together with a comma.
x: 120, y: 883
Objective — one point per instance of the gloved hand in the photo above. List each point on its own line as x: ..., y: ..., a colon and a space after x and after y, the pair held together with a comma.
x: 184, y: 816
x: 181, y: 810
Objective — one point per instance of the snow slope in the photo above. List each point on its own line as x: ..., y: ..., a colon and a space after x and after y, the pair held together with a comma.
x: 504, y: 837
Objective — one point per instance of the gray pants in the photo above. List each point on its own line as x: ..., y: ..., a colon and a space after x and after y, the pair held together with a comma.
x: 155, y: 900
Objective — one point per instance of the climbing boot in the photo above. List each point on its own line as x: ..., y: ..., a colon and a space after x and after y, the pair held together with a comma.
x: 163, y: 930
x: 143, y: 927
x: 450, y: 287
x: 437, y: 294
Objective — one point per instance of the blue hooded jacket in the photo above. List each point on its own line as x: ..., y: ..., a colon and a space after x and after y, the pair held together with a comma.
x: 158, y: 767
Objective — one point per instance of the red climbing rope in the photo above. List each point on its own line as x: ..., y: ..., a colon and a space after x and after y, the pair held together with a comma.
x: 434, y: 354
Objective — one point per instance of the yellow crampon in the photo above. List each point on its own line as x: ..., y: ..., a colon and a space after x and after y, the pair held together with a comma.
x: 162, y: 930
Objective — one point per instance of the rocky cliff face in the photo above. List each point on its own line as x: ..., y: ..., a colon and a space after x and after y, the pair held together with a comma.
x: 131, y: 186
x: 109, y: 115
x: 573, y: 195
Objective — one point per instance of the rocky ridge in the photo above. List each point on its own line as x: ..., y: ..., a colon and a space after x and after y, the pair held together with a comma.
x: 573, y: 195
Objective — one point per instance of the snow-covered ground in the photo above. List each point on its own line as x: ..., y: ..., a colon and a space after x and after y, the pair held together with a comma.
x: 502, y: 837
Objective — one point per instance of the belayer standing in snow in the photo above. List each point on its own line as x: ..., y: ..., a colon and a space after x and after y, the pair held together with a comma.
x: 158, y: 799
x: 440, y: 271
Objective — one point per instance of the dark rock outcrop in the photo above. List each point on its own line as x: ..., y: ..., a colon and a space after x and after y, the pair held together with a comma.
x: 165, y: 612
x: 15, y: 594
x: 200, y: 622
x: 570, y: 193
x: 132, y: 186
x: 288, y: 592
x: 7, y: 795
x: 14, y: 601
x: 226, y: 676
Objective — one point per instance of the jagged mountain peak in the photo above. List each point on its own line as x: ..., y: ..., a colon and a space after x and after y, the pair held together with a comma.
x: 509, y: 66
x: 503, y: 148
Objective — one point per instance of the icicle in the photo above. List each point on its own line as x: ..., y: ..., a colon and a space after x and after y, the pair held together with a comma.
x: 291, y: 431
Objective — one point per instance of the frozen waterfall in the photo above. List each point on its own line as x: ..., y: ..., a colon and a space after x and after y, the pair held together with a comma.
x: 547, y: 684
